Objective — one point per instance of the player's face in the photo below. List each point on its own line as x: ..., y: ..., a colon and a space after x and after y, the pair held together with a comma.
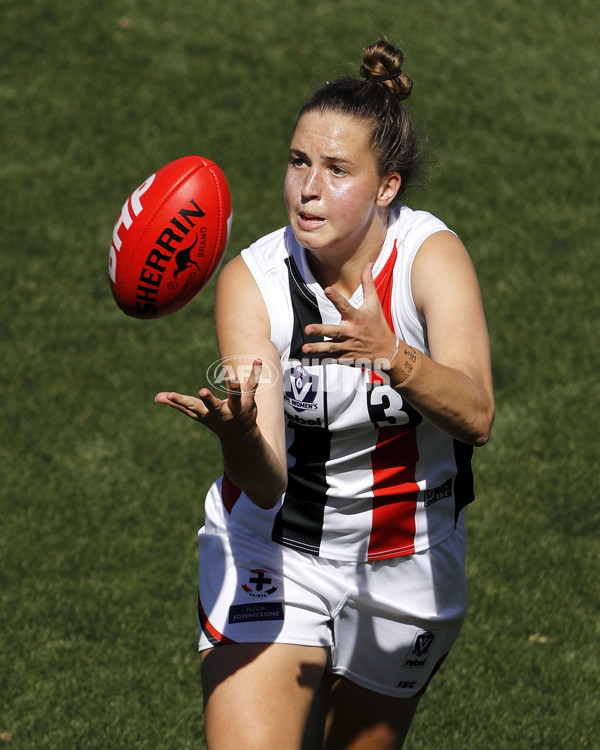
x: 333, y: 193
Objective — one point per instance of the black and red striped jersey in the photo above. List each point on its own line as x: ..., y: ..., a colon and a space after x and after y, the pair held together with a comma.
x: 368, y: 477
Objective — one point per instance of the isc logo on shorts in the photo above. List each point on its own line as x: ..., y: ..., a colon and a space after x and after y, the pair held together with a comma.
x: 419, y: 651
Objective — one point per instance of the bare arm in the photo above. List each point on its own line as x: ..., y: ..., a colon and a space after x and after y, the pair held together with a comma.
x: 255, y: 459
x: 452, y: 388
x: 250, y: 421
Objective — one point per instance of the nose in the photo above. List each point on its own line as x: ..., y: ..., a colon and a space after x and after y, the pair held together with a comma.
x: 311, y: 185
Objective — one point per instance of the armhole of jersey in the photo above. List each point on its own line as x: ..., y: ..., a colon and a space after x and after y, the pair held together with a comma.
x: 414, y: 313
x: 414, y: 331
x: 275, y: 302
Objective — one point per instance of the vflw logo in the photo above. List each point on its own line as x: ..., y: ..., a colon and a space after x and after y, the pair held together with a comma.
x: 300, y: 388
x: 419, y: 651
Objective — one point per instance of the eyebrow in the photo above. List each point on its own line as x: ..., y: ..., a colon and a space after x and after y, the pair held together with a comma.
x: 331, y: 159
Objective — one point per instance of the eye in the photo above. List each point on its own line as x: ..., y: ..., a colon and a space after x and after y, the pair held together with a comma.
x: 297, y: 161
x: 338, y: 171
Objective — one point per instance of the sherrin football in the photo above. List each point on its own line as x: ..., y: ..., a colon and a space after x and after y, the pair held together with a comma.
x: 170, y: 238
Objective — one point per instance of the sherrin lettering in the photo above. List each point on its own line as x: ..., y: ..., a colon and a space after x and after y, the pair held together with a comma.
x: 170, y: 238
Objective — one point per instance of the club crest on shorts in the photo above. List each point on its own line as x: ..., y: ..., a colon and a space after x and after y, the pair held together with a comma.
x: 419, y: 651
x: 259, y: 584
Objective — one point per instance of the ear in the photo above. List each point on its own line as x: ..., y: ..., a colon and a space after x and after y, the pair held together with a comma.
x: 388, y: 189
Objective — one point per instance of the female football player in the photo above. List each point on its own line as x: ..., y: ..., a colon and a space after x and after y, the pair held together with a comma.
x: 332, y: 560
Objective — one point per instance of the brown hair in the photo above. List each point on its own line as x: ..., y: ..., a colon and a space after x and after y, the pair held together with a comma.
x: 377, y: 99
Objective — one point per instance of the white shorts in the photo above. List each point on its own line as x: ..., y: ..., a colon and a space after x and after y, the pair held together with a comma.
x: 388, y: 624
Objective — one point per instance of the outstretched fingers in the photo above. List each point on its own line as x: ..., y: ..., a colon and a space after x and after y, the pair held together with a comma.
x: 213, y: 410
x: 189, y: 405
x: 211, y: 402
x: 238, y: 390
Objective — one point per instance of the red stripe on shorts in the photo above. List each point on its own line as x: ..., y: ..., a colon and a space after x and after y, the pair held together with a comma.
x: 214, y: 636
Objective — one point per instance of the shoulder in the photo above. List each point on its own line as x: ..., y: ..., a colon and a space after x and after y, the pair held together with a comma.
x: 442, y: 270
x: 234, y: 276
x: 412, y: 226
x: 249, y: 283
x: 253, y: 261
x: 439, y: 251
x: 428, y: 250
x: 270, y: 251
x: 238, y: 297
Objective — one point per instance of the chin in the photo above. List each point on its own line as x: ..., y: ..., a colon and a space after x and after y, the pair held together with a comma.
x: 312, y: 240
x: 312, y: 246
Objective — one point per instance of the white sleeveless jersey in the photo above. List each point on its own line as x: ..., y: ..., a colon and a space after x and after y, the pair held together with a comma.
x: 368, y: 477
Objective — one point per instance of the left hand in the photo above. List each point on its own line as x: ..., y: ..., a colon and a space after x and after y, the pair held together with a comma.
x: 230, y: 417
x: 363, y: 332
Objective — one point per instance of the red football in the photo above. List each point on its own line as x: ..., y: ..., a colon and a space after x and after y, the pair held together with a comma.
x: 170, y: 238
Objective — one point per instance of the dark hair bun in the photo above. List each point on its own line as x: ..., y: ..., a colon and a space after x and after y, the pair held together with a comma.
x: 382, y: 63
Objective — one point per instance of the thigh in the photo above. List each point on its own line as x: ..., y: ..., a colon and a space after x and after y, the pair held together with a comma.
x: 359, y: 719
x: 259, y: 695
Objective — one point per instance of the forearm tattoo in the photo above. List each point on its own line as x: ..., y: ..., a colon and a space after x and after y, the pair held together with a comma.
x: 405, y: 361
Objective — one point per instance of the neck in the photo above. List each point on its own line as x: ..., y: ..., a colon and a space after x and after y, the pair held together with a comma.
x: 343, y: 270
x: 344, y: 276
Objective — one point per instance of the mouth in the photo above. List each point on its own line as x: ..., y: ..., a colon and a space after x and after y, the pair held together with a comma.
x: 309, y: 221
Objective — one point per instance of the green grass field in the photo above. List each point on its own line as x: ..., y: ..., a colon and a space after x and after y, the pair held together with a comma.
x: 101, y: 491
